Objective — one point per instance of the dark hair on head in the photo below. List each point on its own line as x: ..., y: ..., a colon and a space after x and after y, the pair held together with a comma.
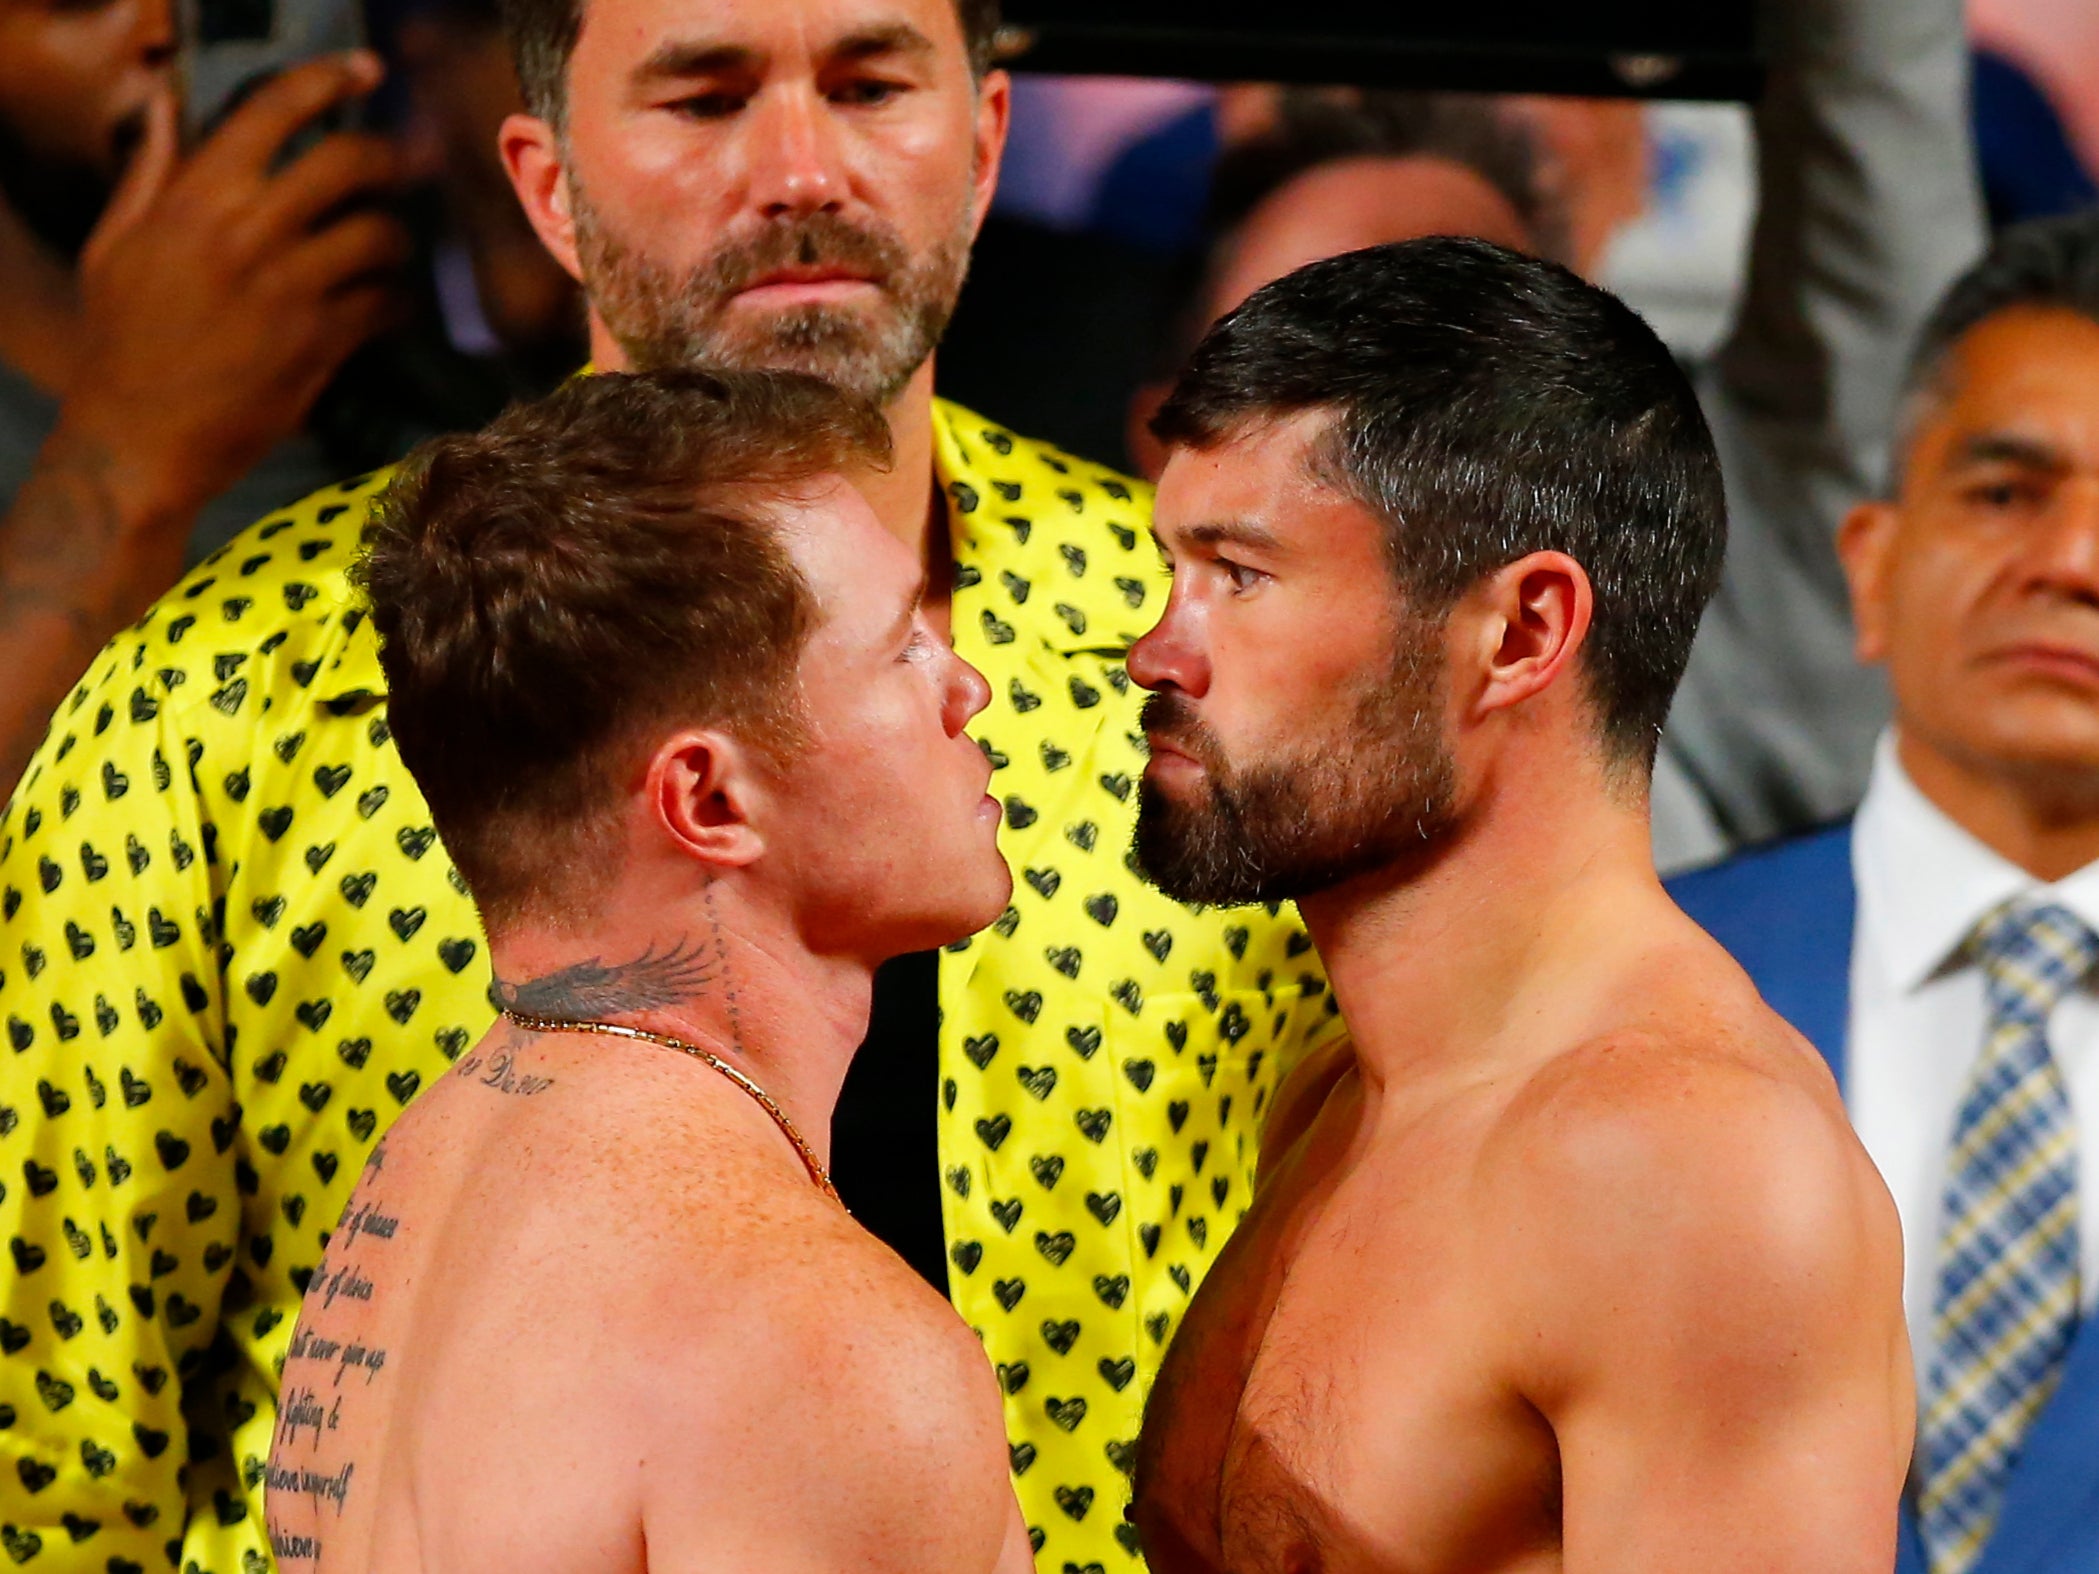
x: 591, y: 570
x: 1316, y: 126
x: 1487, y: 405
x: 2050, y: 263
x: 543, y: 35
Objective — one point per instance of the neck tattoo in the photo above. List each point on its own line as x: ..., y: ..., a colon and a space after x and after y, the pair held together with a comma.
x: 763, y: 1099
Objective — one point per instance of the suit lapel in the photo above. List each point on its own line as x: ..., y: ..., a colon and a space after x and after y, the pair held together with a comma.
x: 2050, y: 1520
x: 1786, y: 914
x: 1812, y: 990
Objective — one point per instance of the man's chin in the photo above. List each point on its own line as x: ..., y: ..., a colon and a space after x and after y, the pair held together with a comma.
x: 965, y: 919
x: 1184, y: 852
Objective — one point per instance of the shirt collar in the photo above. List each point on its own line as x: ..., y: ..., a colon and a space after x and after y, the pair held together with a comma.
x: 1926, y: 881
x: 954, y: 465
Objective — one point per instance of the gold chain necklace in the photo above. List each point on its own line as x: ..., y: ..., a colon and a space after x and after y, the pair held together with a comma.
x: 764, y: 1099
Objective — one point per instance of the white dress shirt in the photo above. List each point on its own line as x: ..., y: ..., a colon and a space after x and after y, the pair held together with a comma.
x: 1918, y: 1015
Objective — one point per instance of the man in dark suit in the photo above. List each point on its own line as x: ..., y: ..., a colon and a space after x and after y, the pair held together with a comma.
x: 1939, y: 949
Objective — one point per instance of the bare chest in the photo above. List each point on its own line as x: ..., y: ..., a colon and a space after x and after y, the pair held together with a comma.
x: 1334, y: 1404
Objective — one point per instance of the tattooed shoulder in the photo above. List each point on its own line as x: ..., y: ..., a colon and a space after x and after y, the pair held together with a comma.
x: 494, y: 1065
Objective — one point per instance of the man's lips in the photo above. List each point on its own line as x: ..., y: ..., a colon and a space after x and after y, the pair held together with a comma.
x: 805, y: 284
x: 2068, y: 662
x: 1166, y: 756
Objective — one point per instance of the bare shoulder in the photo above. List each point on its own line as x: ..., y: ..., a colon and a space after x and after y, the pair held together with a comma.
x: 850, y: 1401
x: 1694, y: 1167
x: 893, y: 1345
x: 1730, y: 1120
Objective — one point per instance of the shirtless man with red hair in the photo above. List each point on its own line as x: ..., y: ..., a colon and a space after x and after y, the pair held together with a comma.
x: 671, y: 692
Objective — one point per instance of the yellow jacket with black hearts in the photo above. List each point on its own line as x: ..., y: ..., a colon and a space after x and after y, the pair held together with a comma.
x: 231, y: 949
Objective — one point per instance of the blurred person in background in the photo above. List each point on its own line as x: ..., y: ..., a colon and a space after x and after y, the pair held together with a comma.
x: 1867, y: 205
x: 171, y: 320
x: 194, y: 338
x: 502, y: 299
x: 2030, y: 167
x: 1326, y: 172
x: 1939, y: 949
x: 245, y: 950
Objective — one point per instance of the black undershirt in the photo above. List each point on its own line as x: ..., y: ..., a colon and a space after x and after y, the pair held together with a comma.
x: 885, y: 1156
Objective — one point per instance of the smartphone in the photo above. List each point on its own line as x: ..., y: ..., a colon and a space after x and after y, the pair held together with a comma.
x: 228, y: 48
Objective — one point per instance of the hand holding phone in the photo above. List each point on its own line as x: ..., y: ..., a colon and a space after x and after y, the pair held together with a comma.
x: 227, y: 49
x: 223, y: 288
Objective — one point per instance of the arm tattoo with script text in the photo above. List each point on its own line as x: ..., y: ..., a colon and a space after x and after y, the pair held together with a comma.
x: 324, y: 1367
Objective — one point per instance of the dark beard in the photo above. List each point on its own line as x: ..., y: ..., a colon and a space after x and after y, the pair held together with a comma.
x: 58, y: 199
x: 1298, y: 823
x: 662, y: 320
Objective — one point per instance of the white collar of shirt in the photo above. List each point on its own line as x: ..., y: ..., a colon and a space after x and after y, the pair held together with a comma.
x: 1919, y: 1017
x: 1926, y: 882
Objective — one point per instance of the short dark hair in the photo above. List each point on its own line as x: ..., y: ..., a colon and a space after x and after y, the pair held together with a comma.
x: 592, y: 568
x: 2050, y: 263
x: 1487, y: 405
x: 543, y: 35
x: 1318, y: 126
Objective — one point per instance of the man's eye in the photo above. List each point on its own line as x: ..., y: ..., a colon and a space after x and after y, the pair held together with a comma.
x: 709, y: 106
x: 1242, y: 577
x: 867, y: 91
x: 1998, y: 494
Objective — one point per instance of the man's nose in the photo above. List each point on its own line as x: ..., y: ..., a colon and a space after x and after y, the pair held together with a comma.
x: 795, y: 160
x: 1169, y: 658
x: 968, y: 694
x: 2065, y: 548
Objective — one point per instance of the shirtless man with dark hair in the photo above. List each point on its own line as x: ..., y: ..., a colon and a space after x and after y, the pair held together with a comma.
x: 591, y: 1305
x: 1575, y: 1264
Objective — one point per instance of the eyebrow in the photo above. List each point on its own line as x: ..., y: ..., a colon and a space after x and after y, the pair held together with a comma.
x: 2006, y: 448
x: 1232, y: 532
x: 696, y: 58
x: 887, y: 38
x: 699, y: 57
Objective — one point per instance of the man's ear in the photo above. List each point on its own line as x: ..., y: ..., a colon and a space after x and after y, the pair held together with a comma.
x: 702, y: 788
x: 1863, y: 544
x: 1147, y: 453
x: 994, y: 118
x: 1529, y: 622
x: 532, y: 158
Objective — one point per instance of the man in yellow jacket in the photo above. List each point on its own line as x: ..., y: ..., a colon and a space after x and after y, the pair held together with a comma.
x: 232, y: 949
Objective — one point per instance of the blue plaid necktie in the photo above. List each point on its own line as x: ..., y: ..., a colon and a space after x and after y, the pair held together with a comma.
x: 2008, y: 1293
